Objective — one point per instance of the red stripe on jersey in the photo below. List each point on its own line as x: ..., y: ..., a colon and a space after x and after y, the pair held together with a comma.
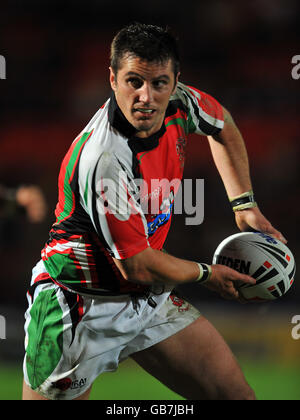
x: 55, y: 242
x: 54, y: 252
x: 62, y: 177
x: 178, y: 115
x: 80, y: 307
x: 42, y: 276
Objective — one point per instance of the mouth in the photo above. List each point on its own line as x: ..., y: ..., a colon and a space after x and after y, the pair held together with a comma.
x: 144, y: 111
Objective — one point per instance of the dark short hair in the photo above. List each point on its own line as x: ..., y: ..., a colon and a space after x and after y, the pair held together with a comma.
x: 147, y: 42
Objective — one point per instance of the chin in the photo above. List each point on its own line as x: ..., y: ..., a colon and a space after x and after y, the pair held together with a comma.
x: 144, y: 127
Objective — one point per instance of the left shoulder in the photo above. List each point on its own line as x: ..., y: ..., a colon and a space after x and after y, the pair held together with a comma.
x: 205, y: 113
x: 183, y: 92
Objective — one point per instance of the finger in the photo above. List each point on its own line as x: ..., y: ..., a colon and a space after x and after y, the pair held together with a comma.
x: 231, y: 293
x: 275, y: 234
x: 279, y: 236
x: 244, y: 279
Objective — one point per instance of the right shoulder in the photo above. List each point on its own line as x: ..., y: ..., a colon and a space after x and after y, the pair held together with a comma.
x: 106, y: 151
x: 99, y: 131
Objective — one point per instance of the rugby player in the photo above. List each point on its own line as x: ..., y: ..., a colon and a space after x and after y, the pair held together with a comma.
x: 103, y: 290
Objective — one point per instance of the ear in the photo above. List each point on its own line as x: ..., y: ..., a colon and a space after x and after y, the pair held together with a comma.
x: 112, y: 79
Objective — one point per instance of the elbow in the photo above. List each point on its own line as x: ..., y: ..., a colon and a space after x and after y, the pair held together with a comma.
x: 135, y: 270
x: 138, y: 269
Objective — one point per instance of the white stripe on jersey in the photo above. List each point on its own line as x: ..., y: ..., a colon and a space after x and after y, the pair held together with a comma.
x: 189, y: 96
x: 211, y: 120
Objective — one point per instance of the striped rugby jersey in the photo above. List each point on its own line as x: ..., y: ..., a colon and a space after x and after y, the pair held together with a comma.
x: 115, y: 198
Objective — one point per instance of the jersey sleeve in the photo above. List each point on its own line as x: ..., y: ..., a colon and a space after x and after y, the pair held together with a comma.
x: 204, y: 113
x: 108, y: 197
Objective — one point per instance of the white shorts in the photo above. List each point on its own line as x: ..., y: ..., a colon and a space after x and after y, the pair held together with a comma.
x: 71, y: 339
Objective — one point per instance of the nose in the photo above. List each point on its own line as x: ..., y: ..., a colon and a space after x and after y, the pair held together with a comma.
x: 145, y: 95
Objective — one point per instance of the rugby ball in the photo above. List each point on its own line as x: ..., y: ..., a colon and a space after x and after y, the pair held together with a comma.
x: 261, y: 256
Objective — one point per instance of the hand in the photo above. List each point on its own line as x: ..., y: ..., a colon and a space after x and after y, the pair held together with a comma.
x: 253, y: 219
x: 32, y: 199
x: 225, y: 281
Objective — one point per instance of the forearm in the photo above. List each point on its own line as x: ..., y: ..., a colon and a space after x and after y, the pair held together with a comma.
x: 231, y: 159
x: 155, y: 267
x: 151, y: 267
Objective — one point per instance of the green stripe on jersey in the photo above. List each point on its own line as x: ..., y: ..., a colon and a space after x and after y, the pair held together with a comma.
x: 68, y: 193
x: 178, y: 121
x: 62, y: 267
x: 86, y: 190
x: 45, y: 338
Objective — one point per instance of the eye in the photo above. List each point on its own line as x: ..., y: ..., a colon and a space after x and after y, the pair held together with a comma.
x: 135, y: 82
x: 158, y: 84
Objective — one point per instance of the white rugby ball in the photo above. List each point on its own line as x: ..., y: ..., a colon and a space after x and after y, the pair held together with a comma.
x: 261, y: 256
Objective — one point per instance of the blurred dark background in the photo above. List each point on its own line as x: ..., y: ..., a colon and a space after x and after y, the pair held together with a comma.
x: 57, y: 55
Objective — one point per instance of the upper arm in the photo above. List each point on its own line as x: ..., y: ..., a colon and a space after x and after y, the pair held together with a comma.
x: 229, y: 129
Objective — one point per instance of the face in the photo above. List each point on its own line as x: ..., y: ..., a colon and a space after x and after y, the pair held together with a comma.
x: 143, y: 91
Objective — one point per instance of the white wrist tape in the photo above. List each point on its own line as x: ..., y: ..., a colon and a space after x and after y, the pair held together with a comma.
x: 243, y: 202
x: 204, y: 274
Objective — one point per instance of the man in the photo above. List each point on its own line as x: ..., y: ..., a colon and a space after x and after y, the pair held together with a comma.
x: 103, y: 290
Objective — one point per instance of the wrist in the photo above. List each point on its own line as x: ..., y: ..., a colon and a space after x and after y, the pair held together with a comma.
x: 243, y: 201
x: 205, y: 272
